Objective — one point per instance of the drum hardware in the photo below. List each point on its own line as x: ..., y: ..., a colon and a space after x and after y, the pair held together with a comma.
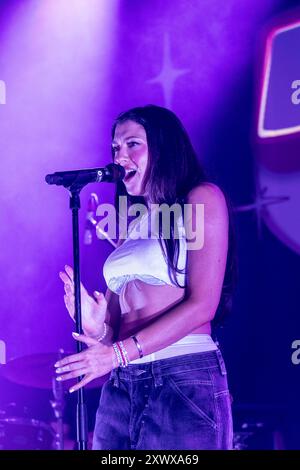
x: 37, y: 370
x: 240, y: 438
x: 58, y: 405
x: 20, y: 431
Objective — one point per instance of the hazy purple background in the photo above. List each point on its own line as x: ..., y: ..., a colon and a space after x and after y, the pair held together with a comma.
x: 69, y: 69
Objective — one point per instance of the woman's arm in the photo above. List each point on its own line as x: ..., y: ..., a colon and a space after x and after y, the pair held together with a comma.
x: 112, y: 317
x: 205, y: 275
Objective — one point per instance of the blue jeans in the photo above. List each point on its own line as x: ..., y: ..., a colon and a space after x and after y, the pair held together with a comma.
x: 181, y: 402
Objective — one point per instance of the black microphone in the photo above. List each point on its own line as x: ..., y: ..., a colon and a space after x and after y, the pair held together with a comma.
x: 110, y: 174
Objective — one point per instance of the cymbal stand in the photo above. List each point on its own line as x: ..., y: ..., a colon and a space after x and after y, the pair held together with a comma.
x: 58, y: 405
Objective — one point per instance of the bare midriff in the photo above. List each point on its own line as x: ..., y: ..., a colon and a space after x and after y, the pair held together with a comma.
x: 142, y: 303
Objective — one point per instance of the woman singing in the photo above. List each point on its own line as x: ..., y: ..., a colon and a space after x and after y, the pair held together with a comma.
x: 152, y: 329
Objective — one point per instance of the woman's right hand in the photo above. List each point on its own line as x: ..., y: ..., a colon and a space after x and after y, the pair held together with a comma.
x: 92, y: 311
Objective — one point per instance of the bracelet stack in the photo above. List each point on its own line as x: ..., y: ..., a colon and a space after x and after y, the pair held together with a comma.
x: 121, y: 354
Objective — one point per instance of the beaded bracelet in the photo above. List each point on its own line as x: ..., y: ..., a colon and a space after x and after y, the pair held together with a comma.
x: 100, y: 338
x: 139, y: 347
x: 118, y: 354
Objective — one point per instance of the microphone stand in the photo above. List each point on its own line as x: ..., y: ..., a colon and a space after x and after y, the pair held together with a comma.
x: 81, y: 409
x: 74, y: 181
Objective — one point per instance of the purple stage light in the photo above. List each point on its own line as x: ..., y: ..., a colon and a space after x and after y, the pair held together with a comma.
x: 56, y: 66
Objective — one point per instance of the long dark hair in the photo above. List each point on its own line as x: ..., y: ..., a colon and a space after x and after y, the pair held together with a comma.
x: 173, y: 171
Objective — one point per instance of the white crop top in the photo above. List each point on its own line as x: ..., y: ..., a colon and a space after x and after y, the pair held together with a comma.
x: 143, y: 259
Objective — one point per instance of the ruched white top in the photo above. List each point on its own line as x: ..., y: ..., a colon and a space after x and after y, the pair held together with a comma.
x: 142, y: 259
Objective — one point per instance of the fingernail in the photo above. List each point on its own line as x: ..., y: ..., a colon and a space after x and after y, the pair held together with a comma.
x: 56, y: 364
x: 58, y: 379
x: 75, y: 334
x: 71, y: 390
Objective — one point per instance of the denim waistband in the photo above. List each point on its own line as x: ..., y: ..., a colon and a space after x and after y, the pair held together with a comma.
x: 157, y: 369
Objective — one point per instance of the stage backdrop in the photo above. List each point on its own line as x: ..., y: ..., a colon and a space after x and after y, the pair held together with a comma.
x: 66, y: 70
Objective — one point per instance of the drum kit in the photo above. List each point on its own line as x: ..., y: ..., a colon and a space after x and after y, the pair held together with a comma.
x: 18, y: 429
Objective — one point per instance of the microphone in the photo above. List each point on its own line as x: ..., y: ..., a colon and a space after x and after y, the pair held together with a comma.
x: 111, y: 173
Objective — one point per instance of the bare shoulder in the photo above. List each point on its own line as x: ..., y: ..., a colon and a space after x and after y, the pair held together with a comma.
x: 206, y: 192
x: 211, y: 196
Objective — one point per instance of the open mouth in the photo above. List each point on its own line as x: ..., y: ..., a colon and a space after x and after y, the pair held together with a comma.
x: 129, y: 175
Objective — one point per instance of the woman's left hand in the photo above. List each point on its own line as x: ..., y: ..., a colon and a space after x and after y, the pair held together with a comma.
x: 95, y: 361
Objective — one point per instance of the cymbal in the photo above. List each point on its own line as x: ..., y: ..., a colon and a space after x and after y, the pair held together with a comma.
x: 37, y: 370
